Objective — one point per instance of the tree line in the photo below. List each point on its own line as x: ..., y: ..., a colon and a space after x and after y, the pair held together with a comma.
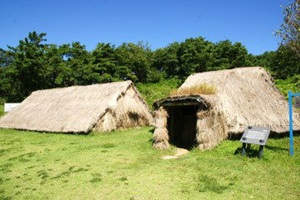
x: 33, y: 64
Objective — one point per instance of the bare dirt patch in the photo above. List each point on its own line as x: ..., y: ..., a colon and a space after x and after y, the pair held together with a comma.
x: 179, y: 152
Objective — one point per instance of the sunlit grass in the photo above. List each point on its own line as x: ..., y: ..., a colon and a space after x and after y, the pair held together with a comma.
x: 123, y: 165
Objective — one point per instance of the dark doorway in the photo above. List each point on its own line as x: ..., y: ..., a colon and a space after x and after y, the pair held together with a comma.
x: 182, y: 123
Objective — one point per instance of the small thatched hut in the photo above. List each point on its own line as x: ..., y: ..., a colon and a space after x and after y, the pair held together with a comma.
x: 244, y: 97
x: 80, y: 109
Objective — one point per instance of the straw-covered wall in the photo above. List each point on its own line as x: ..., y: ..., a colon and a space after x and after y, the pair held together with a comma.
x: 129, y: 110
x: 161, y: 135
x: 211, y: 129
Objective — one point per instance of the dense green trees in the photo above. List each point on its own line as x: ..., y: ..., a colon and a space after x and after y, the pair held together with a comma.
x: 284, y: 63
x: 199, y: 55
x: 34, y: 65
x: 26, y: 71
x: 135, y: 59
x: 166, y: 60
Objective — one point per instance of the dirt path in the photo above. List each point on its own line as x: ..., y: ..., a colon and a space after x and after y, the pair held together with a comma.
x: 179, y: 152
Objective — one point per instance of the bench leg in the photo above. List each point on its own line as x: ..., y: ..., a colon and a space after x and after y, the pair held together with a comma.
x: 261, y: 150
x: 244, y: 149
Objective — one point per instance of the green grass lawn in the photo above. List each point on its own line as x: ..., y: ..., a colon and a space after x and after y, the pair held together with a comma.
x: 1, y: 109
x: 123, y: 165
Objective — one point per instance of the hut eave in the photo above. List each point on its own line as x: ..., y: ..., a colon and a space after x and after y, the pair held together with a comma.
x: 181, y: 101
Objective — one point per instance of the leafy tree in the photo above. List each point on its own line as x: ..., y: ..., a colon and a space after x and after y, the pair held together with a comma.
x: 26, y: 71
x: 103, y: 57
x: 198, y: 55
x: 135, y: 57
x: 228, y: 55
x: 285, y: 63
x: 7, y: 91
x: 54, y: 64
x: 182, y: 59
x: 5, y: 59
x: 290, y: 28
x: 166, y: 60
x: 252, y: 60
x: 194, y: 56
x: 76, y: 68
x: 263, y: 60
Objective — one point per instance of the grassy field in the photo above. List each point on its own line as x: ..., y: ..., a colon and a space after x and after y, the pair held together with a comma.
x: 123, y: 165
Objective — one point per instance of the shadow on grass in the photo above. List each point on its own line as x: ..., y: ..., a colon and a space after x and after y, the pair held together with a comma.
x: 152, y: 132
x: 251, y: 153
x: 210, y: 184
x: 276, y: 149
x: 254, y: 152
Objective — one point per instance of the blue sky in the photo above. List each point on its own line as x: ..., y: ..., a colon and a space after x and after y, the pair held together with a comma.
x: 158, y: 22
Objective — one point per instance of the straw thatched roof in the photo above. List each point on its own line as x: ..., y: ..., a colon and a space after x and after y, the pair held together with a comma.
x: 246, y: 96
x: 102, y: 107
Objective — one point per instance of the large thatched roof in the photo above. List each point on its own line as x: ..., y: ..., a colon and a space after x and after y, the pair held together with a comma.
x: 246, y: 96
x: 101, y: 107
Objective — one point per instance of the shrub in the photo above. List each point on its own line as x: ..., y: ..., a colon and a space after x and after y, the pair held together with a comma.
x: 193, y: 90
x: 155, y: 91
x: 290, y: 84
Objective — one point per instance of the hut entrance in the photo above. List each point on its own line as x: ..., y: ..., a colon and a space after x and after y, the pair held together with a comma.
x: 182, y: 123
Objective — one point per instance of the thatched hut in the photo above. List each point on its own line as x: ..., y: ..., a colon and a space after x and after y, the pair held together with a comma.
x: 80, y: 109
x: 244, y: 97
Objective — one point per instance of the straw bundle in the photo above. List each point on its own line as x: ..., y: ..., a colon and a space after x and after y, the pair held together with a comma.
x: 210, y: 129
x: 160, y: 117
x: 161, y: 138
x: 160, y: 135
